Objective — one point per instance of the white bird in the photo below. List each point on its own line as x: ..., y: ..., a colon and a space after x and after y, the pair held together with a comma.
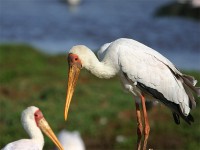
x: 73, y: 2
x: 71, y: 140
x: 143, y: 71
x: 33, y: 120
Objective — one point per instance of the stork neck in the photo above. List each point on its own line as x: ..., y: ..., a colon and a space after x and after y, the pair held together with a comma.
x: 104, y: 69
x: 33, y: 131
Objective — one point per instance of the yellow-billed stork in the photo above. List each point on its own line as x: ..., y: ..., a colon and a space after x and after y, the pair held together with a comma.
x: 33, y: 120
x: 143, y: 71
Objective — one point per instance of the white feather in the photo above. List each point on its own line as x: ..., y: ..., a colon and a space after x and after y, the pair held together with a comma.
x: 71, y: 140
x: 152, y: 69
x: 102, y: 51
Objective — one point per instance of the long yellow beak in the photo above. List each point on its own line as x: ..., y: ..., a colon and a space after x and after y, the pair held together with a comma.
x: 74, y: 70
x: 44, y: 126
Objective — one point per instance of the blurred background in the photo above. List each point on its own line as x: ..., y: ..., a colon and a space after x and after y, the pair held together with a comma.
x: 34, y: 38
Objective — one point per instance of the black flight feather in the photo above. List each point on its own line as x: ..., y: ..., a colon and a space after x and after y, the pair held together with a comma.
x: 159, y: 96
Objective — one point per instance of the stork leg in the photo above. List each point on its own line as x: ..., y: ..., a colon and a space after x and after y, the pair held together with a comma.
x: 146, y: 123
x: 139, y: 126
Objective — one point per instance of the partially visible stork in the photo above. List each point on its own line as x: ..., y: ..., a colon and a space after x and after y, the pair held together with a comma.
x: 33, y: 120
x: 71, y: 140
x: 143, y: 71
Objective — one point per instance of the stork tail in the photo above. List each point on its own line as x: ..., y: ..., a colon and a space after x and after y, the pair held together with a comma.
x: 176, y: 118
x: 188, y: 118
x: 191, y: 82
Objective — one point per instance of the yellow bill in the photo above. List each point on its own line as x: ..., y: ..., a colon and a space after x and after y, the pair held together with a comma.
x: 44, y: 126
x: 73, y: 74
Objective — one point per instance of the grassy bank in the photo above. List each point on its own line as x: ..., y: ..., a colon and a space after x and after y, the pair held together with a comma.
x: 100, y: 109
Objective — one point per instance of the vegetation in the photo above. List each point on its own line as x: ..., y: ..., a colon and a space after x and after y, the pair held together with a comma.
x: 100, y: 110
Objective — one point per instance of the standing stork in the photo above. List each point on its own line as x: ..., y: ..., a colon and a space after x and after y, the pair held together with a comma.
x: 143, y: 71
x: 33, y: 120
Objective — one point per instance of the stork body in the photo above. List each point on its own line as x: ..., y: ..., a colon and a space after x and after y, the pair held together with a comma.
x: 32, y: 120
x: 143, y: 71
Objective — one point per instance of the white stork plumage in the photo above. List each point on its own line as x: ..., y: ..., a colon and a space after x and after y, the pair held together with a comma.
x: 143, y: 71
x: 71, y: 140
x: 33, y: 120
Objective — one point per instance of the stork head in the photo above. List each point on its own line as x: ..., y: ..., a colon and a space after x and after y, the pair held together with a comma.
x: 33, y: 114
x: 79, y: 57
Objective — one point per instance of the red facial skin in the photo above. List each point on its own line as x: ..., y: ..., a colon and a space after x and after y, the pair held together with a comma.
x: 38, y: 115
x: 73, y: 58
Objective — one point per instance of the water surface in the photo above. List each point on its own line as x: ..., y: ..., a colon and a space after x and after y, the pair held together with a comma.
x: 54, y: 27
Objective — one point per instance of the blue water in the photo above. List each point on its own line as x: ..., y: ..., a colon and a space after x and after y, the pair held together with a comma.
x: 54, y: 27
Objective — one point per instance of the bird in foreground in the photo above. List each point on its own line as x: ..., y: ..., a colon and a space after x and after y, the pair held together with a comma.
x: 143, y: 72
x: 33, y: 120
x: 71, y: 140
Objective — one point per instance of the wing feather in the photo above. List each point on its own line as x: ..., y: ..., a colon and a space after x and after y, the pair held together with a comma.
x: 140, y: 63
x: 146, y: 66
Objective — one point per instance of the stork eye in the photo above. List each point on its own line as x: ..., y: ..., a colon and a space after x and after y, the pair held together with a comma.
x: 76, y: 58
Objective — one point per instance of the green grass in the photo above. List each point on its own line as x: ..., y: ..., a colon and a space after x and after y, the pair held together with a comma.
x: 100, y: 109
